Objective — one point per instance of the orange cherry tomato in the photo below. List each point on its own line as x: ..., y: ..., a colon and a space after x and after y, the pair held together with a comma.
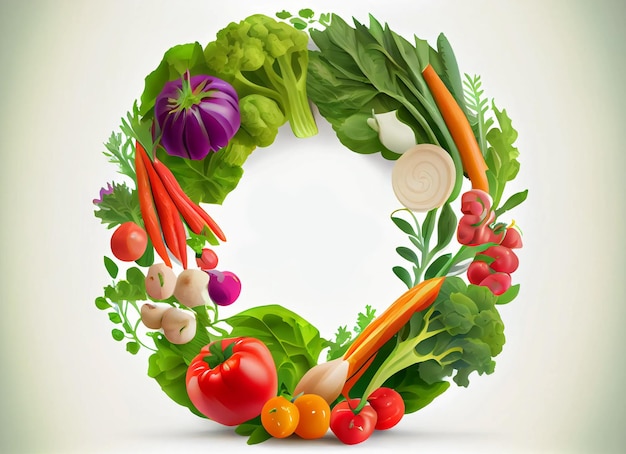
x: 314, y: 416
x: 279, y: 417
x: 129, y: 242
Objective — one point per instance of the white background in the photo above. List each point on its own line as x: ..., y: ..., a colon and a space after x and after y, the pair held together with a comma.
x: 308, y: 227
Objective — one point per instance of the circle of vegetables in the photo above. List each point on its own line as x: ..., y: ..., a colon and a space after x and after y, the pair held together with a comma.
x: 353, y: 74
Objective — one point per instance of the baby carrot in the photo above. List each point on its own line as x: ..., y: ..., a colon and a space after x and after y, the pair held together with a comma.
x: 146, y: 204
x: 460, y: 130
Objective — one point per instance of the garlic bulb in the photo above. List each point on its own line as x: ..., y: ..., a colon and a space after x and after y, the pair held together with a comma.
x: 393, y: 134
x: 423, y: 177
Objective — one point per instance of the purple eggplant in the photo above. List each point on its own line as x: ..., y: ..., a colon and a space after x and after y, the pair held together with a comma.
x: 196, y: 115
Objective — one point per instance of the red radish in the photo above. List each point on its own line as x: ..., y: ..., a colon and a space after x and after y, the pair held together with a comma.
x: 207, y: 260
x: 505, y: 259
x: 476, y: 202
x: 224, y: 287
x: 512, y: 239
x: 478, y: 271
x: 498, y: 283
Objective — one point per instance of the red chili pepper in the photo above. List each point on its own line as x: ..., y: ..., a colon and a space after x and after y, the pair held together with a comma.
x: 193, y: 214
x: 171, y: 223
x: 146, y: 204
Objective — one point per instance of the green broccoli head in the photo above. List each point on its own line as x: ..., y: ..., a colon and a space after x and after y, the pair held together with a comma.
x: 260, y: 118
x: 260, y: 55
x: 469, y: 331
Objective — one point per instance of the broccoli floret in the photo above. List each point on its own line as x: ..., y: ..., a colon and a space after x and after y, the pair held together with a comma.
x: 260, y: 118
x: 458, y: 334
x: 260, y: 55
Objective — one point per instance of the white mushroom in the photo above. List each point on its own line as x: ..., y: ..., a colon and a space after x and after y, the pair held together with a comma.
x: 192, y: 288
x: 179, y: 326
x: 151, y: 314
x: 160, y: 281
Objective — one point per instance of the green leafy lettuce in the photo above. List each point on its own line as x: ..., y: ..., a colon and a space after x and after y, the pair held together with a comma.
x: 295, y: 343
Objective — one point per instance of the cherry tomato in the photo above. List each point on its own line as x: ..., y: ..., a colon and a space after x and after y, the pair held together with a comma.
x: 314, y: 416
x: 498, y: 282
x: 505, y: 259
x: 129, y: 242
x: 478, y: 271
x: 280, y: 417
x: 389, y: 407
x: 352, y: 428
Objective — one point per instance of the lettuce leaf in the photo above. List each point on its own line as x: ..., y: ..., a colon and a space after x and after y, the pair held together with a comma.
x: 295, y: 344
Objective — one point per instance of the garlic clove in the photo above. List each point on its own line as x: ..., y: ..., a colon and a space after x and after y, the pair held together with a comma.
x: 325, y: 380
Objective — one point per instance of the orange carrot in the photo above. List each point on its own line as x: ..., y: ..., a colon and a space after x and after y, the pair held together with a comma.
x: 364, y: 348
x: 460, y: 130
x: 148, y: 211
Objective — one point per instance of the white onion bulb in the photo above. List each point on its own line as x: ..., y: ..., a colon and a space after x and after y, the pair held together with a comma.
x: 423, y: 177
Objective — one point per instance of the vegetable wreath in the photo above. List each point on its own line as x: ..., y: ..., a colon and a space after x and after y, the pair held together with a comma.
x: 266, y: 370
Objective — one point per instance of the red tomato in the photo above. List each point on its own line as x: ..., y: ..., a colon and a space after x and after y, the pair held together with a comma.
x: 129, y: 242
x: 389, y: 407
x: 230, y: 380
x: 505, y: 259
x: 478, y: 271
x: 498, y: 283
x: 350, y: 428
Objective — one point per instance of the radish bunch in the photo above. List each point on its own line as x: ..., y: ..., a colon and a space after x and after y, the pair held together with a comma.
x: 493, y: 267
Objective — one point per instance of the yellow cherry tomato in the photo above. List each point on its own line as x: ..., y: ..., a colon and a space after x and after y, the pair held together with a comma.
x: 279, y: 417
x: 314, y: 416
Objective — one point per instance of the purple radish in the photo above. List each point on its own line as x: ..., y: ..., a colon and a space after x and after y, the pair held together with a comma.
x: 224, y: 287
